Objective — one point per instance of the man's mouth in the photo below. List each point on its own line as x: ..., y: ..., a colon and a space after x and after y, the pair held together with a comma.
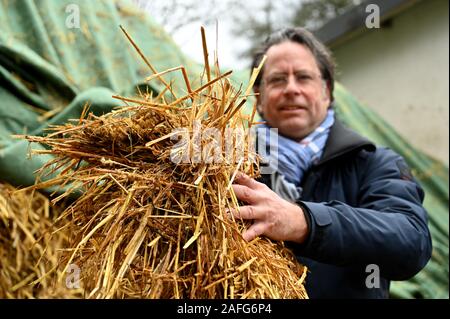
x: 292, y: 108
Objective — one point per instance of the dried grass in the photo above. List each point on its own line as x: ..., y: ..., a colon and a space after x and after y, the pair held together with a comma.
x: 27, y: 249
x: 147, y: 227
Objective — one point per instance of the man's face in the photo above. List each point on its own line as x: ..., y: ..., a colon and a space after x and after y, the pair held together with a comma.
x: 293, y: 97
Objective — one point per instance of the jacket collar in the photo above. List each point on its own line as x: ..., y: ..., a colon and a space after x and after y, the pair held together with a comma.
x: 341, y: 141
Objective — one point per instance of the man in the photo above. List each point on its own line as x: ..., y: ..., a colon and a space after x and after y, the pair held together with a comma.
x: 350, y: 210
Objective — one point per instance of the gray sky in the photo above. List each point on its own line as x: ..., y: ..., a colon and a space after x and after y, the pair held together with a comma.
x: 189, y: 40
x: 223, y: 11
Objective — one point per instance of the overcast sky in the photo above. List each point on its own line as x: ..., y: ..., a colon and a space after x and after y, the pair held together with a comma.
x: 189, y: 37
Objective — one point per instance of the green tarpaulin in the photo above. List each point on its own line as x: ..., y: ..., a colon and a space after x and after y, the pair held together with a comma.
x: 50, y: 69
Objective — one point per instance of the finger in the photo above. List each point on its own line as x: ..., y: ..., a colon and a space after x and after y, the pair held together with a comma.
x: 255, y: 230
x: 247, y: 212
x: 243, y: 179
x: 246, y: 194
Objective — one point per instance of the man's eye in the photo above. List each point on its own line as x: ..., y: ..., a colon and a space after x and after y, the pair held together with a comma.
x: 277, y: 80
x: 304, y: 77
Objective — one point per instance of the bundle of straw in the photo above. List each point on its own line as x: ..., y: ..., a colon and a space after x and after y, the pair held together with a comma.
x: 152, y: 222
x: 27, y: 251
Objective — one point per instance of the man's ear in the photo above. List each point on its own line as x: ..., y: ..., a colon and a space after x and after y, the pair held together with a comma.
x: 326, y: 92
x: 258, y: 99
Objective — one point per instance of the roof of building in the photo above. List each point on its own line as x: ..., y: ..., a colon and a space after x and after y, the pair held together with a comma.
x: 352, y: 22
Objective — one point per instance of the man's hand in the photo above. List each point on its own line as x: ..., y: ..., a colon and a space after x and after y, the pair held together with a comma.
x: 273, y: 216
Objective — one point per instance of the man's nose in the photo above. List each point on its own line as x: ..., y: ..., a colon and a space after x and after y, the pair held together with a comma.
x: 292, y: 87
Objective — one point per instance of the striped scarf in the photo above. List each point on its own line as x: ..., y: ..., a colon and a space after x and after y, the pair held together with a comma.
x: 295, y: 158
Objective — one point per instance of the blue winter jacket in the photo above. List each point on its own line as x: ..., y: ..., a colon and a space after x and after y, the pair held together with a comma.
x: 367, y: 225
